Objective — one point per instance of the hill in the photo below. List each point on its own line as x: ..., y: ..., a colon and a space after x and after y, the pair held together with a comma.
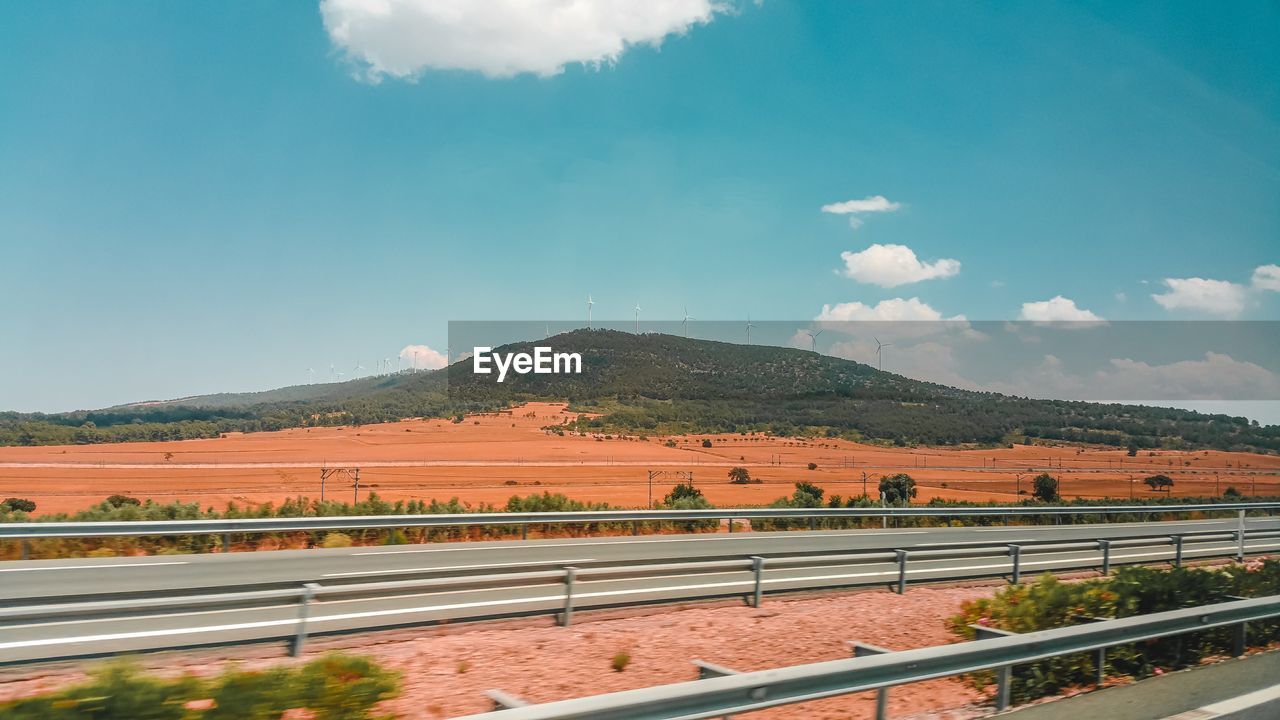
x: 665, y: 384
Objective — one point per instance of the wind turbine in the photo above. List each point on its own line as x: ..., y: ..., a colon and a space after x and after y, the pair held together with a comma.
x: 356, y: 370
x: 399, y: 362
x: 333, y: 374
x: 879, y: 347
x: 311, y: 376
x: 546, y: 331
x: 590, y: 302
x: 387, y: 362
x: 813, y: 339
x: 749, y: 326
x: 685, y: 322
x: 637, y: 317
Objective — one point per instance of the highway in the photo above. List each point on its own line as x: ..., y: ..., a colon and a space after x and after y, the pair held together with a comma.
x: 22, y: 582
x: 51, y: 612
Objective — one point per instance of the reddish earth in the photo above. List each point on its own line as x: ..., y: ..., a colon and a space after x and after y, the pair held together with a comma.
x: 491, y: 457
x: 447, y: 669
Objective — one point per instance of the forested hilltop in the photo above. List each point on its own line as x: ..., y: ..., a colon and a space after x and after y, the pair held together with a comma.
x: 662, y: 384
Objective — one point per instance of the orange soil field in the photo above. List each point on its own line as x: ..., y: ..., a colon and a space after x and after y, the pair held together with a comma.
x: 490, y: 457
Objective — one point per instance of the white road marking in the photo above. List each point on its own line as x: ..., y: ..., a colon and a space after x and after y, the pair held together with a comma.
x: 753, y: 536
x: 455, y: 567
x: 558, y: 597
x: 91, y: 567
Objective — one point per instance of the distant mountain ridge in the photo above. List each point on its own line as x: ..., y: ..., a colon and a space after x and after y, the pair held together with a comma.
x: 664, y: 384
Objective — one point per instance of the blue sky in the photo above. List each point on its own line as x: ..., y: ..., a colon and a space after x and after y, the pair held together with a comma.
x: 202, y: 197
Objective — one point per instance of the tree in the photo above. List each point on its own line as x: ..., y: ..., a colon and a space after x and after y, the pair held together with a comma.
x: 1133, y: 449
x: 739, y: 476
x: 1159, y: 482
x: 682, y: 491
x: 14, y: 504
x: 898, y: 489
x: 1045, y: 487
x: 807, y: 495
x: 706, y: 443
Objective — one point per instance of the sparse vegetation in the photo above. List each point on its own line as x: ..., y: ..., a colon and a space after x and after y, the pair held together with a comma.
x: 621, y: 660
x: 1049, y: 603
x: 333, y: 687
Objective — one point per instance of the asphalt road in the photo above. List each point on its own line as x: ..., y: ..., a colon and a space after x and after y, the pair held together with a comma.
x: 28, y: 582
x: 859, y: 558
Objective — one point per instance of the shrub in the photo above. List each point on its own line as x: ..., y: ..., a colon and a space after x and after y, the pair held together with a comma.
x: 116, y: 501
x: 14, y: 504
x: 813, y: 466
x: 682, y: 491
x: 1049, y: 603
x: 336, y: 540
x: 620, y: 661
x: 706, y: 443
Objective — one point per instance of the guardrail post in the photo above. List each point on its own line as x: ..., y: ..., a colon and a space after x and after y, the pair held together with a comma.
x: 226, y: 542
x: 504, y: 701
x: 304, y: 609
x: 1099, y: 655
x: 635, y: 527
x: 1240, y: 537
x: 570, y: 574
x: 1177, y: 551
x: 1239, y: 633
x: 1105, y: 547
x: 712, y: 670
x: 730, y: 524
x: 757, y: 568
x: 524, y: 531
x: 902, y: 571
x: 26, y: 549
x: 813, y: 523
x: 882, y: 694
x: 1004, y: 674
x: 1015, y: 552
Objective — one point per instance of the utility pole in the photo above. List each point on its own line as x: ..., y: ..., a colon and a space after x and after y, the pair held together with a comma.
x: 864, y: 484
x: 355, y: 498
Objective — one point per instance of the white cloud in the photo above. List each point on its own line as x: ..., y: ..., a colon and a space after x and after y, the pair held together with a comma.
x: 893, y: 309
x: 1217, y: 376
x: 893, y: 265
x: 854, y: 208
x: 1056, y: 309
x: 1267, y: 277
x: 1215, y: 297
x: 501, y: 38
x: 421, y: 357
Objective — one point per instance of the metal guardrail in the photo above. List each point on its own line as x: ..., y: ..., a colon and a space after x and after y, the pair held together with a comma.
x: 720, y: 695
x: 37, y: 530
x: 559, y: 591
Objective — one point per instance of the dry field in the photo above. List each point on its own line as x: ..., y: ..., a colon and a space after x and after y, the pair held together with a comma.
x: 490, y: 457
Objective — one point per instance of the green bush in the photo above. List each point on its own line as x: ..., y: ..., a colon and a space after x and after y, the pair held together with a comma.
x: 333, y: 687
x: 1049, y: 603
